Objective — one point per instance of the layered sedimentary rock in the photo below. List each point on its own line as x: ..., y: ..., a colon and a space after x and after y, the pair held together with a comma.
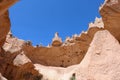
x: 110, y: 12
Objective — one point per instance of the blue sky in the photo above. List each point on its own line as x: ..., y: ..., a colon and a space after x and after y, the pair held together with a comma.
x: 38, y: 20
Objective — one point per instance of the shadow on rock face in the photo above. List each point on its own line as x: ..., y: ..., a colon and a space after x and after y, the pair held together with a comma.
x: 27, y: 72
x: 12, y: 72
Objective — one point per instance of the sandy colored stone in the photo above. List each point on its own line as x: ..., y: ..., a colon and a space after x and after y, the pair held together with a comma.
x: 4, y: 19
x: 2, y: 78
x: 27, y: 72
x: 13, y: 44
x: 57, y: 41
x: 69, y: 53
x: 21, y: 59
x: 4, y: 27
x: 5, y: 4
x: 24, y: 71
x: 101, y: 62
x: 92, y: 55
x: 110, y: 12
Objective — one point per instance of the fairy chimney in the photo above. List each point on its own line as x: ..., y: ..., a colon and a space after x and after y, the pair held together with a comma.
x: 57, y: 41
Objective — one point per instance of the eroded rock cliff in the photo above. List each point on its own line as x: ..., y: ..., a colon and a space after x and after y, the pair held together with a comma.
x: 4, y: 19
x: 91, y: 55
x: 110, y: 12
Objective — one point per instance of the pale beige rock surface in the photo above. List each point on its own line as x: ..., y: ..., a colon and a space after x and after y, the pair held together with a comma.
x: 101, y: 60
x: 21, y: 59
x: 13, y: 44
x: 70, y: 52
x: 2, y: 78
x: 98, y: 60
x: 98, y: 23
x: 100, y: 63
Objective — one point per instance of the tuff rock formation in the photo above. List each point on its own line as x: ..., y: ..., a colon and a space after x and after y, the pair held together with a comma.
x: 2, y: 78
x: 90, y: 55
x: 4, y: 19
x: 110, y: 12
x: 57, y: 41
x: 100, y: 63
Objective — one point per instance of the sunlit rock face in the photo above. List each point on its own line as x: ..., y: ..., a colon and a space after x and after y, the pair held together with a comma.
x: 101, y: 62
x: 13, y: 44
x: 71, y: 52
x: 90, y: 55
x: 98, y: 23
x: 110, y: 12
x: 21, y: 59
x: 57, y: 41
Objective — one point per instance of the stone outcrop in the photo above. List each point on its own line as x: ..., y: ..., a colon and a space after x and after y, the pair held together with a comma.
x: 110, y: 12
x: 100, y: 63
x: 13, y: 44
x: 4, y: 19
x: 4, y: 27
x: 17, y: 67
x: 27, y: 72
x: 98, y: 23
x: 90, y: 55
x: 101, y: 60
x: 57, y: 41
x: 60, y: 54
x: 5, y: 4
x: 2, y: 78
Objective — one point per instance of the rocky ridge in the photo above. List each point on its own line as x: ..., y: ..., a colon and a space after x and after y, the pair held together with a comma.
x: 91, y: 55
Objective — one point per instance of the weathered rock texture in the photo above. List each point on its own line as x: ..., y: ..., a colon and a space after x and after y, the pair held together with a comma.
x: 66, y: 54
x: 57, y: 41
x: 100, y: 63
x: 5, y: 4
x: 2, y: 78
x: 91, y: 55
x: 4, y: 19
x: 13, y: 67
x: 110, y: 12
x: 4, y: 27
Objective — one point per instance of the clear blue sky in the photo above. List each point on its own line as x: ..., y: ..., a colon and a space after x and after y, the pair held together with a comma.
x: 38, y: 20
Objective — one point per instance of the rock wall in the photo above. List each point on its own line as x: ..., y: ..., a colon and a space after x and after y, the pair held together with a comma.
x: 110, y: 12
x: 4, y: 19
x: 91, y: 55
x: 62, y: 56
x: 100, y: 63
x: 2, y: 78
